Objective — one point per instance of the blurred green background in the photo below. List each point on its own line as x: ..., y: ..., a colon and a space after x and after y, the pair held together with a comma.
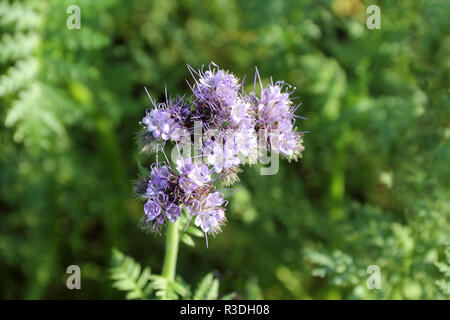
x: 372, y: 187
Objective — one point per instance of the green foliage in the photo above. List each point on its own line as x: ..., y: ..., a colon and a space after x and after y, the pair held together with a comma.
x: 208, y: 288
x: 372, y: 187
x: 444, y: 267
x: 127, y: 275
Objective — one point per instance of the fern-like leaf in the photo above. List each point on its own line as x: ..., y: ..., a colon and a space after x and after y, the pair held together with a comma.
x: 444, y: 267
x: 17, y: 46
x: 170, y: 290
x: 208, y: 288
x: 18, y: 76
x: 128, y: 276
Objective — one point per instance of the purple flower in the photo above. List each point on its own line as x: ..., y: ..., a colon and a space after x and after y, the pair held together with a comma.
x: 213, y: 154
x: 159, y: 179
x: 193, y: 175
x: 275, y: 116
x: 221, y: 155
x: 233, y: 122
x: 246, y: 142
x: 210, y: 214
x: 216, y: 92
x: 180, y: 111
x: 172, y: 211
x: 217, y: 86
x: 160, y: 193
x: 153, y: 212
x: 273, y: 105
x: 162, y: 126
x: 240, y: 112
x: 230, y: 153
x: 158, y: 123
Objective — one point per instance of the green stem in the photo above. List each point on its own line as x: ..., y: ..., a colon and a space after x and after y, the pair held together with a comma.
x: 170, y: 259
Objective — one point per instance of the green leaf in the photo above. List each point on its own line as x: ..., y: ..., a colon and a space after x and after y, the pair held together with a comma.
x: 127, y: 276
x: 203, y: 287
x: 187, y: 239
x: 194, y: 231
x: 229, y: 296
x: 179, y: 287
x: 213, y: 291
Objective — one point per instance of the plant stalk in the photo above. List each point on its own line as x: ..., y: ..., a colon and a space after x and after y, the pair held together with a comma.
x: 170, y: 258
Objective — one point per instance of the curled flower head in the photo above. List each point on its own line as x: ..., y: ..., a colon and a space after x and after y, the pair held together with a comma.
x: 159, y: 179
x: 275, y: 116
x: 274, y: 105
x: 158, y: 123
x: 217, y: 86
x: 153, y: 218
x: 161, y: 197
x: 216, y: 92
x: 153, y: 211
x: 161, y: 124
x: 283, y: 138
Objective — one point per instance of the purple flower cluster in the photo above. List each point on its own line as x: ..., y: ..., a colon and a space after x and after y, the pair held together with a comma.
x: 189, y: 186
x: 161, y: 199
x: 167, y: 121
x: 238, y: 127
x: 193, y: 175
x: 276, y: 117
x: 216, y: 93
